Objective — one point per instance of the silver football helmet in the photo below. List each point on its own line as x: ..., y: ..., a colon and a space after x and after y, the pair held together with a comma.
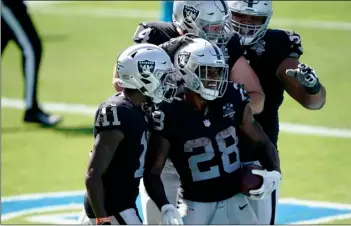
x: 249, y: 30
x: 202, y: 66
x: 210, y: 20
x: 147, y: 68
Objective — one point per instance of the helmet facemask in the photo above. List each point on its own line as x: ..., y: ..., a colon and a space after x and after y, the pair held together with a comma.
x: 167, y: 88
x: 252, y: 31
x: 219, y: 32
x: 210, y: 81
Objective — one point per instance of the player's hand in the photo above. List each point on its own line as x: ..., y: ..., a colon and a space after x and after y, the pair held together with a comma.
x: 170, y: 215
x: 304, y: 74
x: 271, y: 180
x: 175, y: 43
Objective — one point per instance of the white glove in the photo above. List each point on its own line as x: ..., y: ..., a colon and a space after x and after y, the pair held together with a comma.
x: 170, y: 215
x: 271, y: 180
x: 304, y: 74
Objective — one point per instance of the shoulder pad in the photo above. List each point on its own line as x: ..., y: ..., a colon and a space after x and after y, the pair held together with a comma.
x: 142, y: 33
x: 111, y: 114
x: 287, y: 41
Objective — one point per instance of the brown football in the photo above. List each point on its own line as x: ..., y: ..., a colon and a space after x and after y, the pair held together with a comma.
x: 249, y: 181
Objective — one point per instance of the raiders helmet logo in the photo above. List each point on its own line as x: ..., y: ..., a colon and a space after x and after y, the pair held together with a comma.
x: 190, y: 14
x: 146, y: 68
x: 250, y: 3
x: 183, y: 59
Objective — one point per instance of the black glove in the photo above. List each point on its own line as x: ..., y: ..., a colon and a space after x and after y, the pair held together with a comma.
x: 175, y: 43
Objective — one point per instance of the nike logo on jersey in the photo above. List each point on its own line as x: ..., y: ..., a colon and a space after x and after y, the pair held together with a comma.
x: 242, y: 207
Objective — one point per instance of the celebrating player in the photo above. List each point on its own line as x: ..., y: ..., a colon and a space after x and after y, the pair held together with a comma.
x: 274, y: 56
x: 121, y: 135
x: 209, y: 20
x: 198, y: 133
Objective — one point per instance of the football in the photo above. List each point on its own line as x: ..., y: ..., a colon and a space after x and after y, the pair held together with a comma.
x: 248, y: 180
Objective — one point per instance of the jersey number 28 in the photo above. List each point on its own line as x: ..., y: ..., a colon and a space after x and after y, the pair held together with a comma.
x: 229, y: 155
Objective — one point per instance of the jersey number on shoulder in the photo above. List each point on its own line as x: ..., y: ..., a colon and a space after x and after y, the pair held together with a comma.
x: 243, y: 92
x: 142, y: 36
x: 295, y: 39
x: 229, y: 155
x: 140, y: 171
x: 111, y: 121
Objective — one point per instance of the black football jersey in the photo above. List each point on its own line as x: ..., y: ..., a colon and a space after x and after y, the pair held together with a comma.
x: 264, y: 57
x: 121, y: 180
x: 204, y: 145
x: 160, y: 32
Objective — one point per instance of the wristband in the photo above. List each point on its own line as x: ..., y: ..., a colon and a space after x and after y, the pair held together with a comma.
x: 314, y: 89
x: 103, y: 220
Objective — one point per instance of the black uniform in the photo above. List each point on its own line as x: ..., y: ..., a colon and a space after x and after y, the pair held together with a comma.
x: 160, y: 32
x: 17, y: 25
x: 264, y: 57
x: 204, y: 146
x: 121, y: 180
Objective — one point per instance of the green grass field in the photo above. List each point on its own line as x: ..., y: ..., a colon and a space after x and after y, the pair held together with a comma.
x: 80, y: 52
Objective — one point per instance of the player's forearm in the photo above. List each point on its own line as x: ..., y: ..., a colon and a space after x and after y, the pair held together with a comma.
x: 155, y: 189
x: 257, y: 102
x: 314, y: 101
x: 95, y: 192
x: 268, y: 155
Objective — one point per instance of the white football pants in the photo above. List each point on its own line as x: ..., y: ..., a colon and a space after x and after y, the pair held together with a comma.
x: 170, y: 179
x: 235, y: 210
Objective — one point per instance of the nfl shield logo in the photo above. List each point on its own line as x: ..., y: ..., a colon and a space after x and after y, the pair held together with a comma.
x: 146, y: 68
x: 190, y: 14
x: 207, y: 122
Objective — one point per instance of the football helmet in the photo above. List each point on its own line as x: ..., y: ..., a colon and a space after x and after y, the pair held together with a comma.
x: 249, y: 32
x: 201, y: 64
x: 210, y: 20
x: 147, y: 68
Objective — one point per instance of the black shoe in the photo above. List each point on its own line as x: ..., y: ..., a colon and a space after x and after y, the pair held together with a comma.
x: 40, y: 117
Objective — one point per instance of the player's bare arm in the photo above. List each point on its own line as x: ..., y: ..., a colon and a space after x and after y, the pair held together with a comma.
x: 267, y: 153
x: 155, y: 161
x: 105, y: 144
x: 312, y: 98
x: 244, y: 74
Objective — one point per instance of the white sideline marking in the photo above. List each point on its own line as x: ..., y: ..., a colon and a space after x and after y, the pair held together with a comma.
x: 72, y: 207
x: 82, y: 109
x: 152, y: 14
x: 53, y: 218
x: 41, y: 210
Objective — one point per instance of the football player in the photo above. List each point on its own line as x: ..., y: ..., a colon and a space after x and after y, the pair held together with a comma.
x: 209, y: 20
x: 198, y: 133
x: 121, y: 134
x: 274, y: 55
